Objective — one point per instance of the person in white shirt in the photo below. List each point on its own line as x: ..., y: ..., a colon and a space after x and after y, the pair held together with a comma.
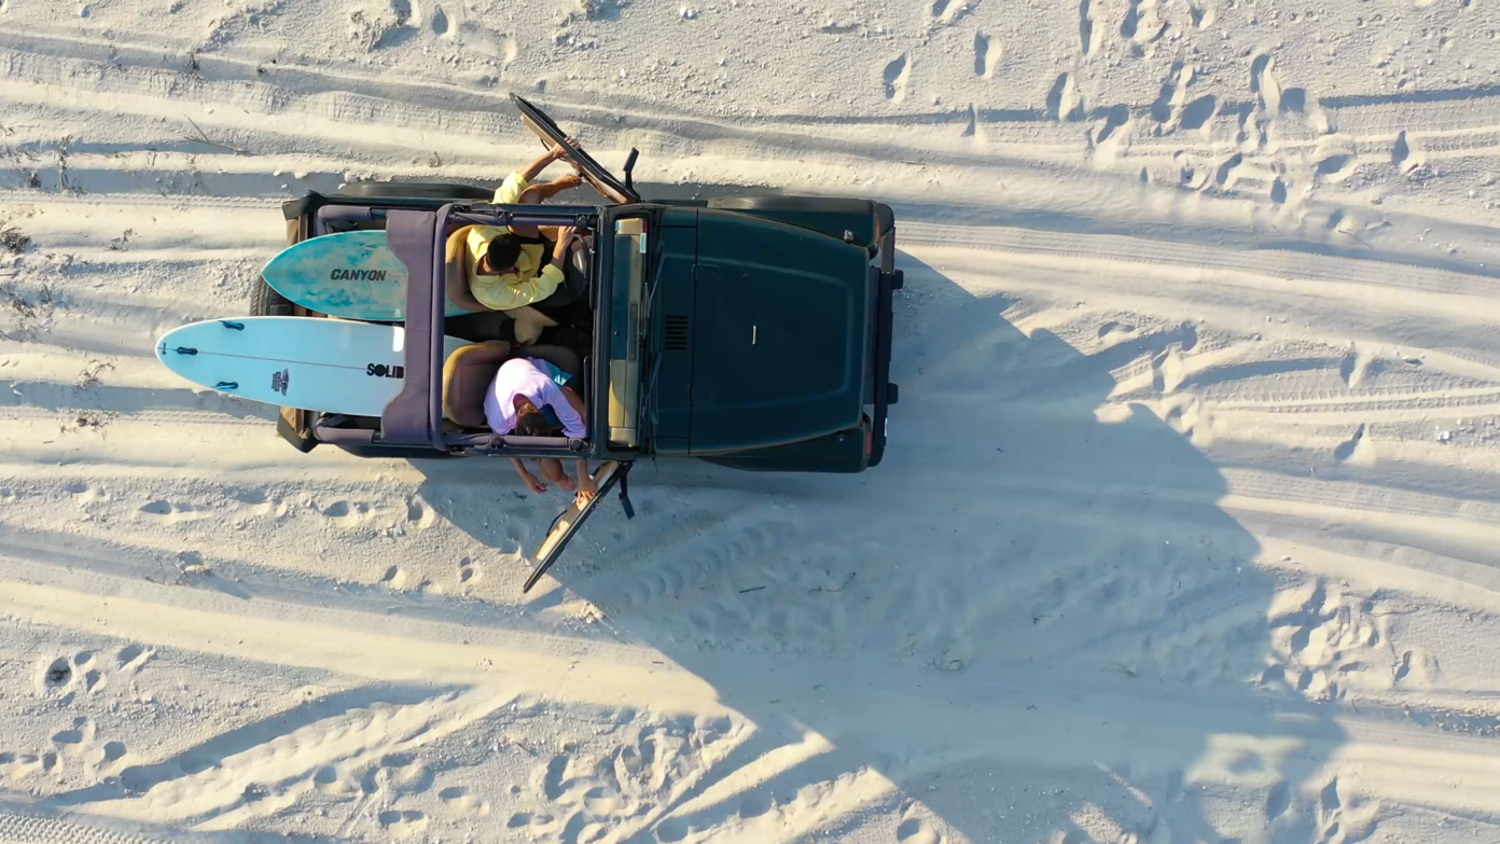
x: 532, y: 397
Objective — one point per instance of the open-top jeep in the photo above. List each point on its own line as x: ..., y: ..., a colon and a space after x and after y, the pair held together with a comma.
x: 749, y: 332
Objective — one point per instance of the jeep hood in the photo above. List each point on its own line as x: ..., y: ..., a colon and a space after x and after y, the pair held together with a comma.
x: 782, y: 336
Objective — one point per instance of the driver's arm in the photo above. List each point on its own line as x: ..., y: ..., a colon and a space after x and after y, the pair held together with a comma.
x: 560, y: 246
x: 537, y: 194
x: 515, y: 185
x: 536, y: 167
x: 456, y: 273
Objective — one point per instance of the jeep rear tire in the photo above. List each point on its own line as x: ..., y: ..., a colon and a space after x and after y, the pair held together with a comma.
x: 267, y: 302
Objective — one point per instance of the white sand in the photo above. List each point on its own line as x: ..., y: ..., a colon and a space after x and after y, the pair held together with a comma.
x: 1188, y: 529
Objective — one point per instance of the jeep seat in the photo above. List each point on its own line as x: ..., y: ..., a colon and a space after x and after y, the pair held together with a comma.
x: 468, y: 373
x: 466, y: 377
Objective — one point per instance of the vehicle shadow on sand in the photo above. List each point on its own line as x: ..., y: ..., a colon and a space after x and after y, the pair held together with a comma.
x: 1032, y: 622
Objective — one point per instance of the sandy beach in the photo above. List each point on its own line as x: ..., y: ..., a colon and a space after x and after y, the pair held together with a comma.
x: 1187, y: 530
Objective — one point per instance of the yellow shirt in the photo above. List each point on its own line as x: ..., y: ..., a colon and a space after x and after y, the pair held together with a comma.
x: 524, y: 286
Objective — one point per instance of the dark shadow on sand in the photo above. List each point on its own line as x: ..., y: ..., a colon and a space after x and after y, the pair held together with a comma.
x: 963, y: 617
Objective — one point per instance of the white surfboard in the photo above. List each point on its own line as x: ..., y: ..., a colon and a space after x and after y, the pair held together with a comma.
x: 303, y: 362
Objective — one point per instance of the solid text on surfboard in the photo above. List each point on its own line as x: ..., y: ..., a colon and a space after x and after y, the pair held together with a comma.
x: 357, y: 275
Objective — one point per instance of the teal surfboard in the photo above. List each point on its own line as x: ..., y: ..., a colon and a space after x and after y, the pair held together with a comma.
x: 304, y: 362
x: 353, y: 275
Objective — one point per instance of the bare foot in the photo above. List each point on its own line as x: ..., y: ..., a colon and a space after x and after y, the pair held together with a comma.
x: 567, y: 484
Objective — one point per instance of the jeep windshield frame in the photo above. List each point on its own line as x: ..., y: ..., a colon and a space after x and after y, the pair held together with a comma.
x: 628, y: 254
x: 545, y: 128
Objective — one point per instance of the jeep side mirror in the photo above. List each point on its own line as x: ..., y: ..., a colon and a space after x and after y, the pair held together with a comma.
x: 630, y: 167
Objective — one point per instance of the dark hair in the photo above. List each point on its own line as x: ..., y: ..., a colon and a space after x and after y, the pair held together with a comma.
x: 531, y: 422
x: 504, y: 250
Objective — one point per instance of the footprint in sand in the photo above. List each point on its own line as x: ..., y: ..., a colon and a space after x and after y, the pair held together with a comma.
x: 354, y: 512
x: 252, y: 497
x: 1336, y: 166
x: 755, y: 804
x: 1279, y: 800
x: 132, y: 658
x: 1347, y: 449
x: 913, y: 831
x: 945, y: 12
x: 58, y: 674
x: 1142, y: 24
x: 331, y: 780
x: 1202, y: 13
x: 419, y: 514
x: 1278, y: 191
x: 1225, y: 174
x: 458, y: 797
x: 987, y: 55
x: 112, y: 751
x: 172, y: 512
x: 1116, y: 117
x: 1196, y: 114
x: 1400, y: 152
x: 407, y: 823
x: 1168, y: 108
x: 1065, y: 101
x: 18, y: 766
x: 1086, y: 27
x: 1325, y: 641
x: 897, y: 75
x: 1263, y: 83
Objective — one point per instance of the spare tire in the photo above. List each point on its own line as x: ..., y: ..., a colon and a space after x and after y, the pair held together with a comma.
x: 416, y: 190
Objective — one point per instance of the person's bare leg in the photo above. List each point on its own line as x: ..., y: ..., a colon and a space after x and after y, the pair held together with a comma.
x: 587, y: 489
x: 552, y: 470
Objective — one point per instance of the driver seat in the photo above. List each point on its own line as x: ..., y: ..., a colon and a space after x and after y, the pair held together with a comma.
x: 468, y: 373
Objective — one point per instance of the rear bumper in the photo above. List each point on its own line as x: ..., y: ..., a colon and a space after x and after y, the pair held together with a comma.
x: 889, y: 280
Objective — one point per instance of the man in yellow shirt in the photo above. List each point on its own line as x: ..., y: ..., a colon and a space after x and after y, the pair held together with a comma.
x: 499, y: 268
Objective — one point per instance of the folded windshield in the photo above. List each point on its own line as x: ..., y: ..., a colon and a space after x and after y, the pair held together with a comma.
x: 628, y: 261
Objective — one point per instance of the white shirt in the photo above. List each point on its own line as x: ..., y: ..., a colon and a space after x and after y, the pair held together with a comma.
x: 522, y: 377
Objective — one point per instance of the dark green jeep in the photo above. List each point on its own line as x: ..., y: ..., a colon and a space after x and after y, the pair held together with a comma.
x: 749, y: 332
